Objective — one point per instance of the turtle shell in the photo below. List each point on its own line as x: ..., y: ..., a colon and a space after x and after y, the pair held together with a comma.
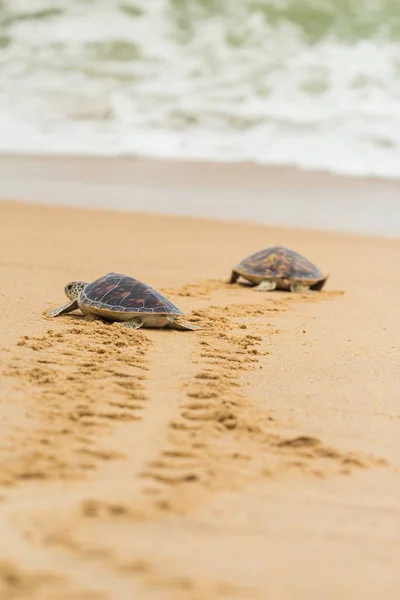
x: 120, y: 293
x: 279, y: 262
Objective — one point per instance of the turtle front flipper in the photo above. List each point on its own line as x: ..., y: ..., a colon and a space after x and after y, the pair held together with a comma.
x: 61, y: 310
x: 183, y: 326
x: 266, y: 286
x: 234, y: 277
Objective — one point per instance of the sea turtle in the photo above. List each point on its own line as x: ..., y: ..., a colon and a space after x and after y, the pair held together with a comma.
x: 116, y: 297
x: 279, y: 268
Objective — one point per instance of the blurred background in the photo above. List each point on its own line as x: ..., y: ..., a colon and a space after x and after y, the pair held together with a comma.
x: 313, y: 83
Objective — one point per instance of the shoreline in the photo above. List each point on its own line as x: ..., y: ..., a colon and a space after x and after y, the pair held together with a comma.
x: 205, y: 221
x: 262, y: 173
x: 277, y: 196
x: 213, y: 163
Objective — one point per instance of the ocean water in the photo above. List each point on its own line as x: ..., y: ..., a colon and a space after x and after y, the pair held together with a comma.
x: 314, y: 83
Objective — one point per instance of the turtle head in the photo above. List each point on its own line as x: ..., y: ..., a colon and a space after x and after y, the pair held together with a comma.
x: 74, y: 288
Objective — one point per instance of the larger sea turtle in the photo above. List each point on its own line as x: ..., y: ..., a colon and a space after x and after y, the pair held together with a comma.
x: 116, y: 297
x: 279, y: 268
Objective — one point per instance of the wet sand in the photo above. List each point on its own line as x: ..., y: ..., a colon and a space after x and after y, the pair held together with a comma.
x: 257, y: 457
x: 239, y: 192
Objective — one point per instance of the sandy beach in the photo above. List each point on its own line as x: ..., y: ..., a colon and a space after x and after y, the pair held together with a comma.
x: 257, y: 457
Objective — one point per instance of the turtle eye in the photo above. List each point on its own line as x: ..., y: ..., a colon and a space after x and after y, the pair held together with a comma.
x: 69, y: 290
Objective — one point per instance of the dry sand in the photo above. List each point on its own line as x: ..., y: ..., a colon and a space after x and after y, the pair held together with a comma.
x: 255, y: 458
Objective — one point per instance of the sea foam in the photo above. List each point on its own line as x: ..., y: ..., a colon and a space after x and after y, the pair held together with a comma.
x: 274, y: 81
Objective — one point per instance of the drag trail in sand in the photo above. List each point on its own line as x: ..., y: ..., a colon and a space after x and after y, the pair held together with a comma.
x: 189, y: 465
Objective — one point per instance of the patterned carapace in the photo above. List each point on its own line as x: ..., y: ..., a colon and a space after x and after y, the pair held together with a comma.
x: 279, y: 262
x: 120, y: 293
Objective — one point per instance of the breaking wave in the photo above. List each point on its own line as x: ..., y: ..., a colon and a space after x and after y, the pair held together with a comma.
x: 315, y: 83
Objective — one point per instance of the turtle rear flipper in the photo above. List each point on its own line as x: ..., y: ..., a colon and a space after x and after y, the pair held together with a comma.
x: 61, y: 310
x: 266, y: 286
x: 319, y: 285
x: 134, y: 324
x: 183, y: 326
x: 299, y: 288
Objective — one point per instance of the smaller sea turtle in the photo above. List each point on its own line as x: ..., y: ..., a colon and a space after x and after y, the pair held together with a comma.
x: 116, y: 297
x: 279, y: 268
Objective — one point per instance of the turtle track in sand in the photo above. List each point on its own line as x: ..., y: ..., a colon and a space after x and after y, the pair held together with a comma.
x: 82, y: 386
x: 223, y: 434
x: 95, y: 416
x: 80, y: 381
